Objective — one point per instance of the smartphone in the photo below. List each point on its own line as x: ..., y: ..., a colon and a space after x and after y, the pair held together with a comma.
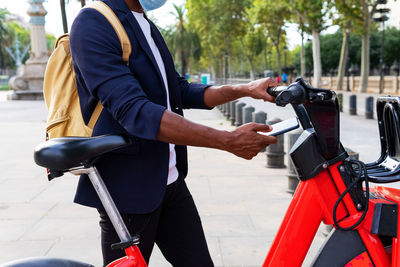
x: 283, y: 127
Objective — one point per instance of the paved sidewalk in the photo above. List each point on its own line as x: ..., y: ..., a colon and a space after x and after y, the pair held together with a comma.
x: 241, y: 202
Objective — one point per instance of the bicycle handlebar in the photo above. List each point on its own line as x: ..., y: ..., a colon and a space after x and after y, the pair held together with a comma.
x: 298, y: 93
x: 275, y: 91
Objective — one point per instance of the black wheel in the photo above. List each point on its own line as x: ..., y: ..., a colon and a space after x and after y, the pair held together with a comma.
x: 45, y: 262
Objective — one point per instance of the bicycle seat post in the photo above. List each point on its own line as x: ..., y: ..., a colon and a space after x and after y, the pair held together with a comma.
x: 108, y: 204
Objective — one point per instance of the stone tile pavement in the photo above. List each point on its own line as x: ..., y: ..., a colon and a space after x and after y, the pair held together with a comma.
x: 240, y: 202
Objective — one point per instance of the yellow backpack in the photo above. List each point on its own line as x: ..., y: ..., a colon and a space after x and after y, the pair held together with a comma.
x: 60, y: 88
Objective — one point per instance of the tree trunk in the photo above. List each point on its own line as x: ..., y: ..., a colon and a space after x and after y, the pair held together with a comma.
x: 265, y: 55
x: 343, y: 58
x: 64, y: 16
x: 302, y: 57
x: 226, y: 74
x: 365, y: 55
x: 183, y: 63
x: 317, y: 58
x: 83, y: 3
x: 253, y: 69
x: 278, y: 53
x: 1, y: 55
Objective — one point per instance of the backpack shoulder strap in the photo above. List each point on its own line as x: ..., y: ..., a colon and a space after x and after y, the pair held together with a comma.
x: 119, y: 29
x: 123, y: 38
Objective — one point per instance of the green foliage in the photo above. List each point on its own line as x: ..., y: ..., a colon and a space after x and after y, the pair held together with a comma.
x: 3, y: 32
x: 251, y: 35
x: 9, y: 31
x: 14, y: 30
x: 273, y: 15
x: 312, y: 13
x: 4, y: 87
x: 392, y: 46
x: 218, y: 23
x: 330, y: 52
x: 182, y: 41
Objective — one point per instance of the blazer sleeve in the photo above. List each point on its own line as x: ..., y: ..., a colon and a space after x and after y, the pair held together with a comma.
x: 96, y: 52
x: 192, y: 94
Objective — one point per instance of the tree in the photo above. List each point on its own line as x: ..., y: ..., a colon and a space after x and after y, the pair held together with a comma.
x: 361, y: 12
x: 252, y: 44
x: 181, y: 38
x: 254, y: 41
x: 218, y: 23
x: 392, y: 44
x: 313, y: 14
x: 273, y: 16
x: 184, y: 44
x: 3, y: 13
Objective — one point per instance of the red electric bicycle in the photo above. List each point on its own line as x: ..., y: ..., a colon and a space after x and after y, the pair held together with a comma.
x: 332, y: 189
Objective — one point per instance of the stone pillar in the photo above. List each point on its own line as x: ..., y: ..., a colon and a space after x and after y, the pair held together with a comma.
x: 29, y: 85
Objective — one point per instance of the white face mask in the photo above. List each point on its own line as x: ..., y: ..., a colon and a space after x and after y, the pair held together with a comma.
x: 152, y: 4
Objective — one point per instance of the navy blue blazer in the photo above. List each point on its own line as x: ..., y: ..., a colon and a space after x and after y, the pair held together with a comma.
x: 134, y: 101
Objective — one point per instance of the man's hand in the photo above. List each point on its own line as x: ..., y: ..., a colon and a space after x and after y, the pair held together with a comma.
x: 258, y: 89
x: 246, y: 143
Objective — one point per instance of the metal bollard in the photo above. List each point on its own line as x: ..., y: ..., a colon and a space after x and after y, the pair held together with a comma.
x: 239, y: 113
x: 369, y: 107
x: 293, y: 179
x: 223, y: 108
x: 340, y: 100
x: 228, y: 110
x: 232, y: 117
x: 248, y: 114
x: 275, y: 152
x: 353, y: 105
x: 260, y: 117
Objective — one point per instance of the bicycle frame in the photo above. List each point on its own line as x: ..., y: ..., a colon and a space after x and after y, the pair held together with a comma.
x: 319, y: 160
x: 133, y: 256
x: 321, y: 184
x: 312, y: 204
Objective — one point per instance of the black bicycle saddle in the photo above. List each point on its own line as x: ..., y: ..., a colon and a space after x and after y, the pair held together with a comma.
x: 69, y: 152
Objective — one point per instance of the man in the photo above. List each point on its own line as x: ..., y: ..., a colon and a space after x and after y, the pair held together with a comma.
x: 144, y: 101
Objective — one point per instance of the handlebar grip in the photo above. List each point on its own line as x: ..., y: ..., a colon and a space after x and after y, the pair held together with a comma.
x: 275, y: 91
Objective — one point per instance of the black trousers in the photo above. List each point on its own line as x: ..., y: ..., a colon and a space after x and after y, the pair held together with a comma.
x: 175, y: 227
